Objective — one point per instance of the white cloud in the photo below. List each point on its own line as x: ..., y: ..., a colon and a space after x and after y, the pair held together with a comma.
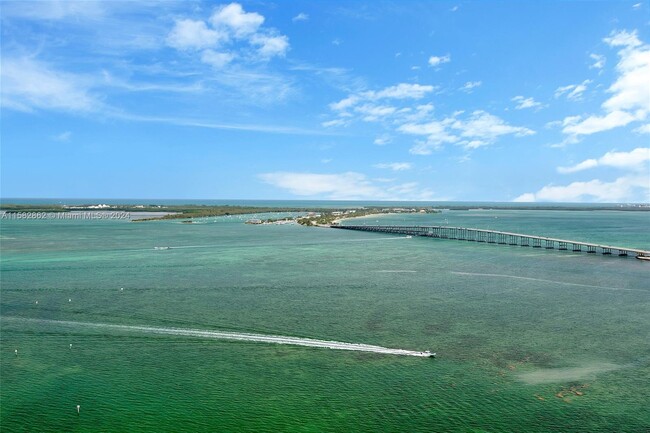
x: 270, y: 46
x: 634, y: 160
x: 343, y: 186
x: 430, y: 128
x: 233, y: 17
x: 382, y: 140
x: 191, y: 34
x: 363, y: 104
x: 395, y: 166
x: 599, y: 61
x: 216, y: 59
x: 242, y: 32
x: 631, y: 91
x: 623, y: 39
x: 637, y: 5
x: 400, y: 91
x: 439, y: 60
x: 479, y: 129
x: 372, y: 113
x: 485, y: 126
x: 436, y: 133
x: 29, y: 85
x: 300, y: 17
x: 470, y: 85
x: 528, y: 197
x: 573, y: 91
x: 574, y: 125
x: 623, y: 189
x: 584, y: 165
x: 335, y: 122
x: 523, y: 102
x: 344, y: 104
x: 633, y: 186
x: 630, y: 100
x: 422, y: 147
x: 475, y: 130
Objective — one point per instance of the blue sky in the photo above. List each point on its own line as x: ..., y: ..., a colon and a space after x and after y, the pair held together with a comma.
x: 404, y: 100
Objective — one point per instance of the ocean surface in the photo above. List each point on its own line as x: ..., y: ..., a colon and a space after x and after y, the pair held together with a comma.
x: 138, y: 338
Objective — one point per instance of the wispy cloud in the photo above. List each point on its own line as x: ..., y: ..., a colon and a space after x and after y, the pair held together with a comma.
x: 478, y: 130
x: 300, y: 17
x: 470, y: 86
x: 523, y: 102
x: 29, y: 85
x: 344, y: 186
x: 599, y: 61
x: 395, y: 166
x: 371, y: 105
x: 208, y: 124
x: 572, y: 91
x: 382, y: 140
x: 55, y: 10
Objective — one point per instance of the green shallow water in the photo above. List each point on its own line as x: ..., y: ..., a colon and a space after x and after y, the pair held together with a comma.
x: 512, y: 326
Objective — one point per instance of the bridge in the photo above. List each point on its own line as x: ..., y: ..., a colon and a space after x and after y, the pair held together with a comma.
x: 501, y: 238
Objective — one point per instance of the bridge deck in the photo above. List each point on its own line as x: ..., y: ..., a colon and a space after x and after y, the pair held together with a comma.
x: 471, y: 234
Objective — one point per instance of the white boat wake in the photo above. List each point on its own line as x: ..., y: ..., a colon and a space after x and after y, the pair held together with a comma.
x: 224, y: 335
x: 565, y: 283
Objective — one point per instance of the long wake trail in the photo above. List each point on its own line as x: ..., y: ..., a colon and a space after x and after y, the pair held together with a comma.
x: 565, y: 283
x: 237, y: 336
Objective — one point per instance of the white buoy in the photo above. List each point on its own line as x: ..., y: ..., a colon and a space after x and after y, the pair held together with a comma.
x: 78, y: 408
x: 69, y: 299
x: 16, y: 352
x: 121, y: 289
x: 70, y: 346
x: 36, y: 302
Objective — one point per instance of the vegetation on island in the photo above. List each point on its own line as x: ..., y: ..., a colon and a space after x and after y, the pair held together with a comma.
x: 328, y: 218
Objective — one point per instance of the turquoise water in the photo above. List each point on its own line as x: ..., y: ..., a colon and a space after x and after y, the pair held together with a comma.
x: 528, y: 340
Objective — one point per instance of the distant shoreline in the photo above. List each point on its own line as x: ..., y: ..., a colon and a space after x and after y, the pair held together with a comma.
x: 143, y: 212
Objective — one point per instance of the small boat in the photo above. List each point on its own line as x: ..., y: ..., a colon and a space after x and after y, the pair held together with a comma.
x: 640, y: 257
x: 162, y: 248
x: 429, y: 354
x: 409, y: 237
